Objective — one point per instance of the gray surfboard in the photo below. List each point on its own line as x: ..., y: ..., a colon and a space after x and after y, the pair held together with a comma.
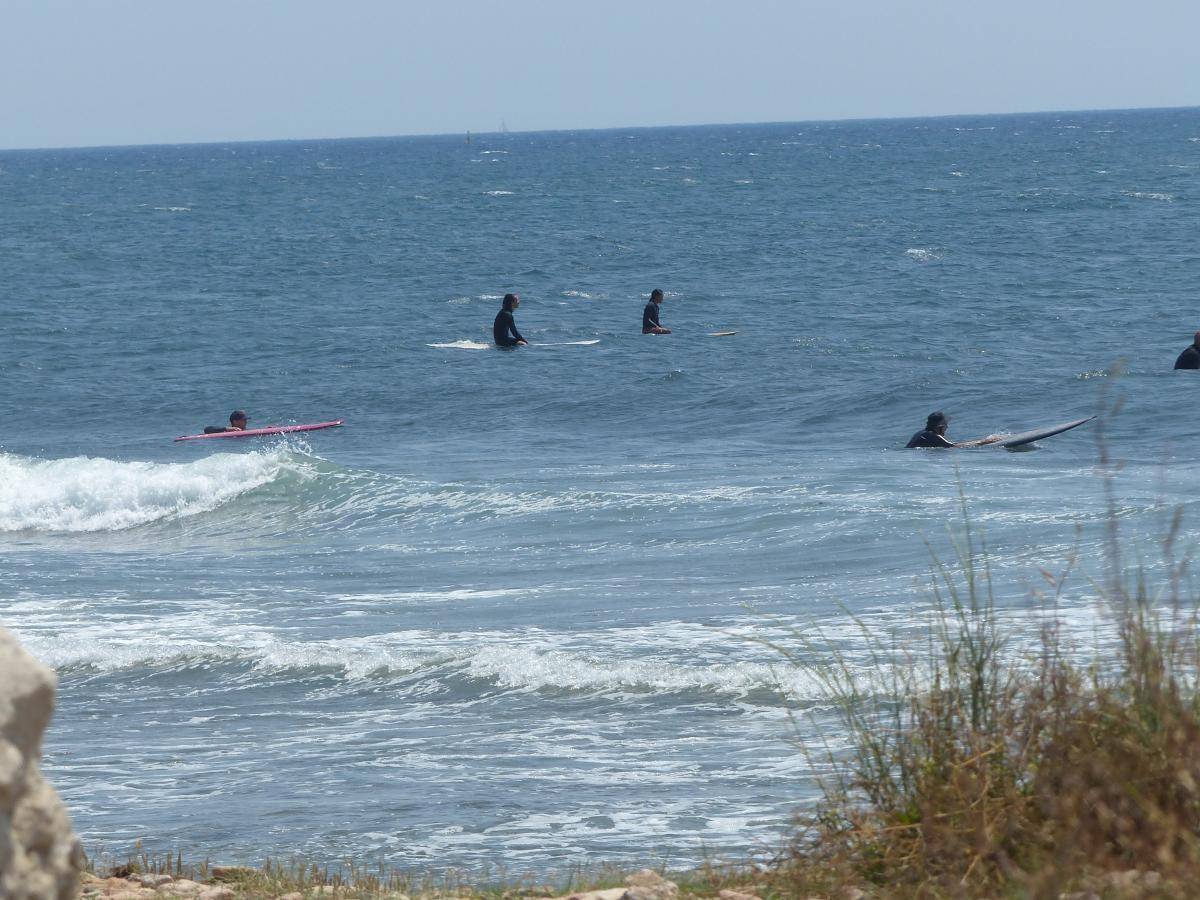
x: 1028, y: 437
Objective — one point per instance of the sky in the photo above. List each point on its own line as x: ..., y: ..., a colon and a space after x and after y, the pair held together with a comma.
x: 116, y: 72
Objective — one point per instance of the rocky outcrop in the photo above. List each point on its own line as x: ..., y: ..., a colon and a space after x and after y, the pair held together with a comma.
x: 40, y: 857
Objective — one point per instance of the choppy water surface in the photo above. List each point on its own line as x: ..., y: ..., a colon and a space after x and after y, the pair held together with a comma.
x: 515, y: 612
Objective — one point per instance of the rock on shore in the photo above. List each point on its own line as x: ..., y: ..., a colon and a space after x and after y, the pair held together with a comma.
x: 40, y: 856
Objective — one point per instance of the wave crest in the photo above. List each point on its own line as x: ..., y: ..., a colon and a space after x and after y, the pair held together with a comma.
x: 89, y: 494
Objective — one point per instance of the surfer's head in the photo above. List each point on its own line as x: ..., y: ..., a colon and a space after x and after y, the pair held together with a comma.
x: 937, y: 421
x: 512, y: 301
x: 1196, y: 340
x: 238, y: 418
x: 656, y: 295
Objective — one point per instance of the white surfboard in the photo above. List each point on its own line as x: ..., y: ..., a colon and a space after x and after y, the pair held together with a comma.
x: 461, y: 345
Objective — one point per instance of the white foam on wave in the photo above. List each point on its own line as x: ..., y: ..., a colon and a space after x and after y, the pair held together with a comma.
x: 923, y: 254
x: 458, y: 500
x: 83, y: 650
x: 357, y: 659
x: 739, y: 658
x: 499, y: 193
x: 1149, y: 195
x: 173, y: 644
x: 173, y: 208
x: 86, y: 494
x: 533, y: 669
x: 633, y: 660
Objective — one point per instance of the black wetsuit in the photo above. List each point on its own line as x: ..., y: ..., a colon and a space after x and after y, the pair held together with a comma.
x: 650, y: 317
x: 1189, y: 358
x: 928, y: 438
x: 217, y: 429
x: 504, y: 329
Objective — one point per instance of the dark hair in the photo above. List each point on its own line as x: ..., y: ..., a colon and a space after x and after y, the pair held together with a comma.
x: 509, y: 300
x: 656, y: 294
x: 936, y: 420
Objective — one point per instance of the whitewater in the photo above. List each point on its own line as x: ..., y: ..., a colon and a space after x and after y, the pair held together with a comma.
x: 561, y: 605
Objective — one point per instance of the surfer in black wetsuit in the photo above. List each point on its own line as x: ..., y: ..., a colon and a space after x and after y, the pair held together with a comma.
x: 1190, y: 358
x: 934, y: 434
x: 504, y: 329
x: 237, y: 422
x: 650, y: 323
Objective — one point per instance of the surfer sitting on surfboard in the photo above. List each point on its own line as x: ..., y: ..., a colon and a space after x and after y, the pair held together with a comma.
x: 1190, y: 358
x: 650, y: 323
x: 504, y: 329
x: 237, y: 422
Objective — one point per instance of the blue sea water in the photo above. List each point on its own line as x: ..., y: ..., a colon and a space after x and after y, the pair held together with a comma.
x: 517, y: 613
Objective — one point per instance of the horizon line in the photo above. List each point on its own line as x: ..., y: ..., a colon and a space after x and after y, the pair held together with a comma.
x: 444, y: 134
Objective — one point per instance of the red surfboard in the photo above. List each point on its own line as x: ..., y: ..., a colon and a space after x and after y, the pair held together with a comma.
x: 260, y: 432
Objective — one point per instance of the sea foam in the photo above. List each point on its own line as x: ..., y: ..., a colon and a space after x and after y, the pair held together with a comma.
x: 83, y: 494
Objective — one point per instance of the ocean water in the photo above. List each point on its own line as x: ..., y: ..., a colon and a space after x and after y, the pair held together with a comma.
x: 518, y: 613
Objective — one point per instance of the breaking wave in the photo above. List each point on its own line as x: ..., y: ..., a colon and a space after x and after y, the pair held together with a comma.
x: 469, y: 665
x: 88, y: 494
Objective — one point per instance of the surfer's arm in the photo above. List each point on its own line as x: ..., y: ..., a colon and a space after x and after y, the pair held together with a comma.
x: 979, y: 442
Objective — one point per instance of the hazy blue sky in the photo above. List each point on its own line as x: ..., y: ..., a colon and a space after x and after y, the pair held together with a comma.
x: 87, y: 72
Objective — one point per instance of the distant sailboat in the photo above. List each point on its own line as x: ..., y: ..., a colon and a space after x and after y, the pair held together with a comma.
x: 468, y: 137
x: 503, y: 127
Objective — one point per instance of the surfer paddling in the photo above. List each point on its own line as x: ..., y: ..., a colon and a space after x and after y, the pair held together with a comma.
x: 1190, y: 358
x: 650, y: 323
x: 934, y: 434
x: 504, y: 329
x: 237, y: 422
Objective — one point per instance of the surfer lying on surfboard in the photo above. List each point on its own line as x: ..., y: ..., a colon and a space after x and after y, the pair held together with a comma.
x: 237, y: 422
x: 650, y: 323
x: 262, y: 431
x: 934, y: 435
